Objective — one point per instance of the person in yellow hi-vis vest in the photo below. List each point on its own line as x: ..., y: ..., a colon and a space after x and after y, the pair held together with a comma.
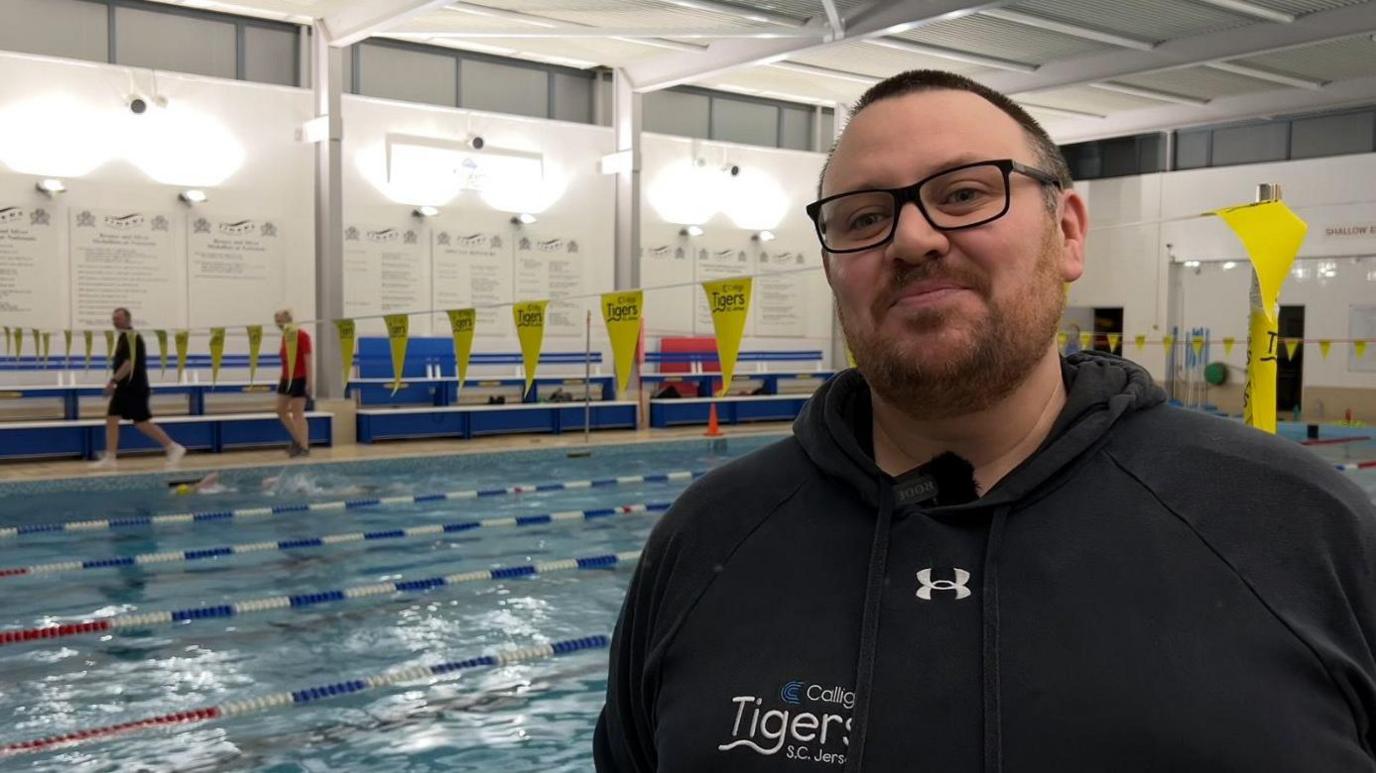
x: 129, y: 392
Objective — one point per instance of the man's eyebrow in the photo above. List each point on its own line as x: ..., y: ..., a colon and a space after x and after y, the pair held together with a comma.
x: 960, y: 159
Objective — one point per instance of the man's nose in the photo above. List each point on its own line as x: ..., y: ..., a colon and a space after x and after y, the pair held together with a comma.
x: 915, y: 240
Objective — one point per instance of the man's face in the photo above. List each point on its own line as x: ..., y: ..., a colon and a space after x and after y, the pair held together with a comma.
x: 947, y: 323
x: 280, y: 319
x: 119, y: 319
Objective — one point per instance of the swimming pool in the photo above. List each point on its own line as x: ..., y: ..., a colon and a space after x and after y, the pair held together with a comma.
x: 536, y: 715
x: 532, y: 716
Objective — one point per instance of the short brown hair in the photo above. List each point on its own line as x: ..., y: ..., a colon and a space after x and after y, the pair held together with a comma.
x: 1048, y: 153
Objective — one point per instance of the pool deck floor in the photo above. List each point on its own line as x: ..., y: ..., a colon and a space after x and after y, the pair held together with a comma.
x: 138, y: 463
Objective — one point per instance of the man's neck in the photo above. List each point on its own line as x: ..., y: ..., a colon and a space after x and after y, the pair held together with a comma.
x: 995, y: 440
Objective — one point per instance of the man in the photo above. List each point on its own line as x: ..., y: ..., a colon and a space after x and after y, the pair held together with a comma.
x: 128, y: 391
x: 294, y: 386
x: 975, y: 555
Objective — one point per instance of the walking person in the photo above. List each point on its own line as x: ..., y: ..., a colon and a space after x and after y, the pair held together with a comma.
x: 128, y: 391
x: 294, y: 386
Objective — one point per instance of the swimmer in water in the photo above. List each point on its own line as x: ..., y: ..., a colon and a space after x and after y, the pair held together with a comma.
x: 285, y: 483
x: 210, y: 484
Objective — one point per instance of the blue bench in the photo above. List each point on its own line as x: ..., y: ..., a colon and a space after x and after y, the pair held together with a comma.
x: 730, y: 410
x: 706, y: 382
x: 469, y: 421
x: 70, y: 396
x: 85, y: 438
x: 441, y: 391
x: 429, y: 374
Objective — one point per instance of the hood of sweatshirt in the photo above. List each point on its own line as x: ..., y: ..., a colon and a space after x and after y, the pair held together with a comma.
x: 834, y: 428
x: 835, y: 431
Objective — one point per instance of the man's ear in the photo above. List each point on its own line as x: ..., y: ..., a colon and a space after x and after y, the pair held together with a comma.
x: 1072, y: 228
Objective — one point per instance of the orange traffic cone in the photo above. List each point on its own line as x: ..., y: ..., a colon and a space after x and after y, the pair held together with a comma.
x: 713, y: 430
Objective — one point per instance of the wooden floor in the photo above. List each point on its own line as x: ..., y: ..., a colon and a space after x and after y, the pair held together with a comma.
x: 46, y: 470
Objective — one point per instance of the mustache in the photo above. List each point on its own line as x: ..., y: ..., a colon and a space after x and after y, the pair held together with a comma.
x: 901, y: 279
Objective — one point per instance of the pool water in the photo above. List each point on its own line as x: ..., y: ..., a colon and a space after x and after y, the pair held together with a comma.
x: 532, y: 716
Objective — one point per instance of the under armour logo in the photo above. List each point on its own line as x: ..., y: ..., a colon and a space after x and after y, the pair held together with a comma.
x: 957, y: 585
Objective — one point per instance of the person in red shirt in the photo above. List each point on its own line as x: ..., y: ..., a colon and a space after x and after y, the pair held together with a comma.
x: 294, y: 386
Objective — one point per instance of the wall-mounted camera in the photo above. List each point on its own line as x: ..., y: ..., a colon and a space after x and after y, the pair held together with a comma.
x: 476, y: 143
x: 138, y: 105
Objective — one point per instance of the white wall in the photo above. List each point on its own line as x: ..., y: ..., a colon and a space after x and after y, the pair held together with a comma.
x: 1134, y: 219
x: 769, y: 193
x: 274, y: 181
x: 575, y: 203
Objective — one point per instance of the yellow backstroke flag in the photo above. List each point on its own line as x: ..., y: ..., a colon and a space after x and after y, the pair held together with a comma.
x: 1272, y: 234
x: 348, y: 331
x: 622, y: 311
x: 217, y: 352
x: 255, y: 345
x: 182, y: 339
x: 729, y: 300
x: 461, y: 325
x: 529, y: 317
x: 398, y: 333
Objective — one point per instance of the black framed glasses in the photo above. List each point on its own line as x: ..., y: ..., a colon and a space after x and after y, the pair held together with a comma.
x: 961, y: 197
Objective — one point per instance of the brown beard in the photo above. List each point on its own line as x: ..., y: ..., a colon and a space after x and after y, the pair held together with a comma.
x: 1003, y: 346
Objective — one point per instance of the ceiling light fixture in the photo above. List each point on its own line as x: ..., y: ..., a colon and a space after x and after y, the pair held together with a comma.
x: 51, y: 187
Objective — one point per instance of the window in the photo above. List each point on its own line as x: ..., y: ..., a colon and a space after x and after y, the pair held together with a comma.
x: 270, y: 55
x: 676, y: 112
x: 1332, y: 135
x: 1192, y: 149
x: 1251, y: 144
x: 174, y: 41
x: 505, y: 88
x: 795, y: 128
x: 735, y: 120
x: 572, y: 98
x: 72, y: 28
x: 392, y: 72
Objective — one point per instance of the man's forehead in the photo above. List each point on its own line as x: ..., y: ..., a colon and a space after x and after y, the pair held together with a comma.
x: 898, y: 140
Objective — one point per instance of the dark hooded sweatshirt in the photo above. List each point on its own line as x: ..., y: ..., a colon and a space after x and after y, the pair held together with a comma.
x: 1153, y: 589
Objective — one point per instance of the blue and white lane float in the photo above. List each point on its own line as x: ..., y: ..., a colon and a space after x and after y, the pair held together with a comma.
x: 221, y: 516
x: 328, y: 540
x: 301, y: 601
x: 313, y: 694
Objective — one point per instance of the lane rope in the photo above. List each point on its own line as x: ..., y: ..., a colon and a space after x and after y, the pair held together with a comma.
x: 1350, y: 466
x: 1334, y: 441
x: 310, y: 695
x: 330, y: 540
x: 222, y: 516
x: 303, y: 601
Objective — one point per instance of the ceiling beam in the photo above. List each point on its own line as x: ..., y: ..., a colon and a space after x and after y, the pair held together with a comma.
x: 827, y: 72
x: 363, y: 18
x: 838, y: 25
x: 548, y: 22
x: 1187, y: 52
x: 1142, y: 92
x: 1257, y: 73
x: 1252, y: 9
x: 1262, y: 104
x: 725, y: 33
x: 879, y: 19
x: 955, y: 55
x: 738, y: 11
x: 1066, y: 28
